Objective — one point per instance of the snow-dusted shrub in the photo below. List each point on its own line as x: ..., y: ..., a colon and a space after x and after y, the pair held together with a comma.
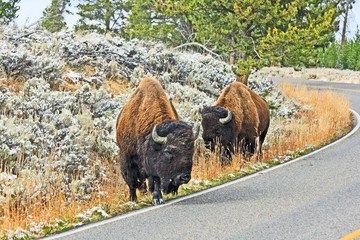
x: 71, y: 124
x: 15, y: 138
x: 36, y: 98
x: 282, y: 106
x: 78, y: 78
x: 4, y: 95
x: 188, y: 101
x: 20, y: 62
x: 113, y: 57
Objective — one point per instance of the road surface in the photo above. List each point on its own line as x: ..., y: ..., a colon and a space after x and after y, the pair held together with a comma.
x: 316, y: 197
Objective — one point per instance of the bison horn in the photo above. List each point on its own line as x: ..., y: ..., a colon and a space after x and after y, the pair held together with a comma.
x: 157, y: 138
x: 226, y: 119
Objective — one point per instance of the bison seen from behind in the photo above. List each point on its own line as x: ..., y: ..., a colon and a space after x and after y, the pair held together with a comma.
x: 153, y: 143
x: 240, y: 119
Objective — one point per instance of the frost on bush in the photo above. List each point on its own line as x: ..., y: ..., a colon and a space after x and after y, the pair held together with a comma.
x: 4, y: 95
x: 69, y: 124
x: 188, y: 101
x: 113, y: 57
x: 280, y: 105
x: 91, y: 213
x: 18, y: 63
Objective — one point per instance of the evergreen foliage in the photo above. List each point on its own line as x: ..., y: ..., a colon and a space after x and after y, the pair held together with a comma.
x: 8, y: 10
x: 346, y: 56
x: 145, y: 21
x: 54, y: 15
x: 281, y: 31
x: 102, y: 16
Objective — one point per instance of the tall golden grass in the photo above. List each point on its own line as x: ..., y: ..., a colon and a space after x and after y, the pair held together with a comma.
x: 326, y: 116
x: 330, y: 114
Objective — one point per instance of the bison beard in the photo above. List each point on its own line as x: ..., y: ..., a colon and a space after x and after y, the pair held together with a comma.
x: 240, y: 120
x: 153, y: 143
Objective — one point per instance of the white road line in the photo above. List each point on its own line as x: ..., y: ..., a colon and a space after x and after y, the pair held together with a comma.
x: 171, y: 202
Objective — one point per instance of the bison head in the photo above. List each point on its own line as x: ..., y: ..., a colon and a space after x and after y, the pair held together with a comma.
x: 217, y: 123
x: 169, y: 154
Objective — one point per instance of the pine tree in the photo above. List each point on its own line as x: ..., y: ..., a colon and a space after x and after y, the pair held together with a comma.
x: 8, y: 10
x: 259, y: 32
x: 53, y: 16
x: 102, y: 15
x: 145, y: 22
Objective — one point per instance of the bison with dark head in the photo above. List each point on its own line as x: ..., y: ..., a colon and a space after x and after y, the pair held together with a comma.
x: 240, y: 119
x: 153, y: 143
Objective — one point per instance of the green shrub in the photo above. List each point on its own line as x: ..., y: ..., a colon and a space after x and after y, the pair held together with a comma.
x: 345, y: 57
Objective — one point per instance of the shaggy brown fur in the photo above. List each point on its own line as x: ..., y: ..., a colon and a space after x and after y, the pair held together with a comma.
x: 166, y: 164
x: 150, y: 106
x: 250, y: 121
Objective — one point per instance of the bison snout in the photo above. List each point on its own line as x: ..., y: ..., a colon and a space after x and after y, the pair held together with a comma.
x: 182, y: 178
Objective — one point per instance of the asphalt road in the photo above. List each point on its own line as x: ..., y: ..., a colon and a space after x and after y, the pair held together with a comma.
x: 316, y: 197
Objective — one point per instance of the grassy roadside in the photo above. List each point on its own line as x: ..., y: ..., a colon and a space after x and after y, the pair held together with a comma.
x: 325, y: 118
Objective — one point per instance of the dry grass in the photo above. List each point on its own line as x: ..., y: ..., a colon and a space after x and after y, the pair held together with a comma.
x: 327, y: 117
x: 330, y: 113
x: 115, y: 86
x: 14, y: 85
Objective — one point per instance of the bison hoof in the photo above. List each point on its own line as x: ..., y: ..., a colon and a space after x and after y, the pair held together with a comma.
x: 158, y: 201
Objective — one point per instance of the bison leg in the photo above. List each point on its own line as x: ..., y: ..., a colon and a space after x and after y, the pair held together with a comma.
x: 130, y: 175
x: 262, y: 138
x: 151, y: 183
x: 133, y: 196
x: 157, y: 196
x: 142, y: 185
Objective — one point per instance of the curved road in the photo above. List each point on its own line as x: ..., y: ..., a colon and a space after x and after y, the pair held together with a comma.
x: 316, y: 197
